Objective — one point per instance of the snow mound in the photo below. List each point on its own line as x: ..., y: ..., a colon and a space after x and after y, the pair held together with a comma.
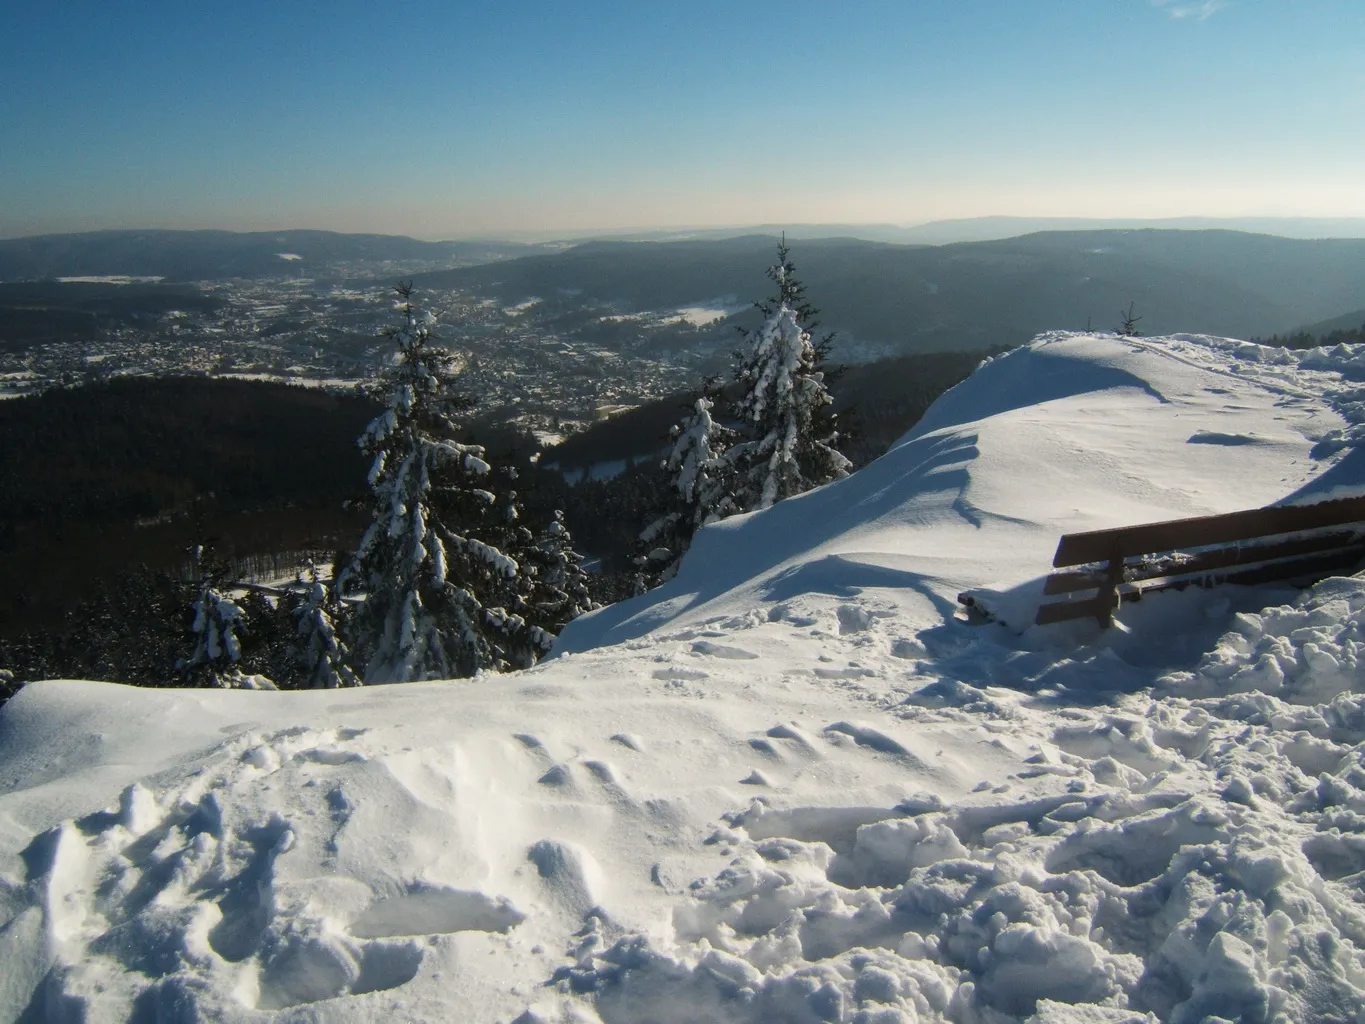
x: 1070, y: 433
x: 794, y: 787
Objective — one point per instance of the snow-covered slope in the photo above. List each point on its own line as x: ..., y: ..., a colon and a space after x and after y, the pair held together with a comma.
x: 788, y: 787
x: 1070, y: 433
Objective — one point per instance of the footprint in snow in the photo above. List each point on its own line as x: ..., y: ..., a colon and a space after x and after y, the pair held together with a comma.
x: 557, y: 776
x: 795, y: 738
x: 765, y: 747
x: 904, y: 648
x: 680, y: 675
x: 606, y: 775
x: 168, y: 870
x: 722, y: 651
x: 434, y: 910
x: 783, y: 613
x: 873, y: 739
x: 602, y: 771
x: 852, y: 672
x: 540, y: 755
x: 328, y: 755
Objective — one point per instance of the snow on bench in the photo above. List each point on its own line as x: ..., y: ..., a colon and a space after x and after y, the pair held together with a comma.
x: 1300, y: 543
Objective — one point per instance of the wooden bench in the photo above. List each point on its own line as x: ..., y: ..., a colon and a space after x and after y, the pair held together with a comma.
x: 1298, y: 543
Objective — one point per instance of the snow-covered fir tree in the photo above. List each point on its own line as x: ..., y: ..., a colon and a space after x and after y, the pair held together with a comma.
x: 216, y: 627
x: 509, y: 597
x: 791, y: 440
x: 559, y: 591
x: 322, y: 657
x: 701, y: 482
x: 431, y: 580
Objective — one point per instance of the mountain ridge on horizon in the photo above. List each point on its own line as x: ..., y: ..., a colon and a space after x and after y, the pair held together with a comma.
x: 968, y: 295
x: 940, y: 231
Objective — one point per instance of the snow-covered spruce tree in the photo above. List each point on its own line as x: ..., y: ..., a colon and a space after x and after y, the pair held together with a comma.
x: 701, y: 484
x: 791, y: 440
x: 559, y: 584
x: 509, y: 598
x: 216, y: 626
x: 320, y: 653
x: 431, y: 581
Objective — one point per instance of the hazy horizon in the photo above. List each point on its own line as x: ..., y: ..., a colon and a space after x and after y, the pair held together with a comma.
x: 499, y: 120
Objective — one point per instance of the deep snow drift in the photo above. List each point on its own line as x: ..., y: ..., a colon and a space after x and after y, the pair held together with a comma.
x: 788, y: 786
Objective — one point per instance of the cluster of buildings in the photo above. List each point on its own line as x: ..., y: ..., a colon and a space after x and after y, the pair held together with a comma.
x: 551, y: 364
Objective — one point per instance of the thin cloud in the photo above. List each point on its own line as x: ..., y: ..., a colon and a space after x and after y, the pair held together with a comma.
x: 1199, y: 10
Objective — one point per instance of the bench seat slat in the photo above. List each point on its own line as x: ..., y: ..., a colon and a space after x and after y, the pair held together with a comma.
x: 1308, y: 567
x: 1314, y: 566
x: 1173, y: 564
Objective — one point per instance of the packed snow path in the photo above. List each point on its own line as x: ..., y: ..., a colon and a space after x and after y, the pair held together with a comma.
x: 795, y: 788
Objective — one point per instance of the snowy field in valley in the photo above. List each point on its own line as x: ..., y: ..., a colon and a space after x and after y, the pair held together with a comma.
x: 790, y: 785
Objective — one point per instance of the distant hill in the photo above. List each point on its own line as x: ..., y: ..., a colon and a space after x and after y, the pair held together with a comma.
x: 970, y: 295
x: 215, y: 255
x: 1355, y: 320
x: 44, y: 312
x: 981, y: 229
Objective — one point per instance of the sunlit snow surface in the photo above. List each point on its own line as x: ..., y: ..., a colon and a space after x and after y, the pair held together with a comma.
x: 794, y: 787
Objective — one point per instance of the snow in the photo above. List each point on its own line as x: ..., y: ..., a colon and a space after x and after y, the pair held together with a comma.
x: 597, y: 471
x: 702, y: 314
x: 334, y: 384
x: 787, y: 786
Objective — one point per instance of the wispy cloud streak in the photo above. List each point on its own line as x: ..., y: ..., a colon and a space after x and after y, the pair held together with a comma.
x: 1198, y: 10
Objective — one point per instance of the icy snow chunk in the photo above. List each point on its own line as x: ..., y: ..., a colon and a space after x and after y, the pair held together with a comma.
x: 1051, y: 1012
x: 568, y: 872
x: 138, y: 811
x: 1229, y: 986
x: 885, y: 852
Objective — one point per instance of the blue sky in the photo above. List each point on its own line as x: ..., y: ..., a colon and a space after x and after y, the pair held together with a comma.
x: 457, y: 118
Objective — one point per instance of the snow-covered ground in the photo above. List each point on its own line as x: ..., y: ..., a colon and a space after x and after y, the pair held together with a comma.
x: 788, y: 786
x: 700, y: 314
x: 597, y: 471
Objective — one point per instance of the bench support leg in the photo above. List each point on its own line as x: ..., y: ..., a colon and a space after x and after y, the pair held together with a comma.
x: 1109, y: 593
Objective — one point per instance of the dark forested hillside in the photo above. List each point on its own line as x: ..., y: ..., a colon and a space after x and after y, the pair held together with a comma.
x: 45, y: 312
x: 99, y: 479
x: 139, y: 446
x: 216, y: 255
